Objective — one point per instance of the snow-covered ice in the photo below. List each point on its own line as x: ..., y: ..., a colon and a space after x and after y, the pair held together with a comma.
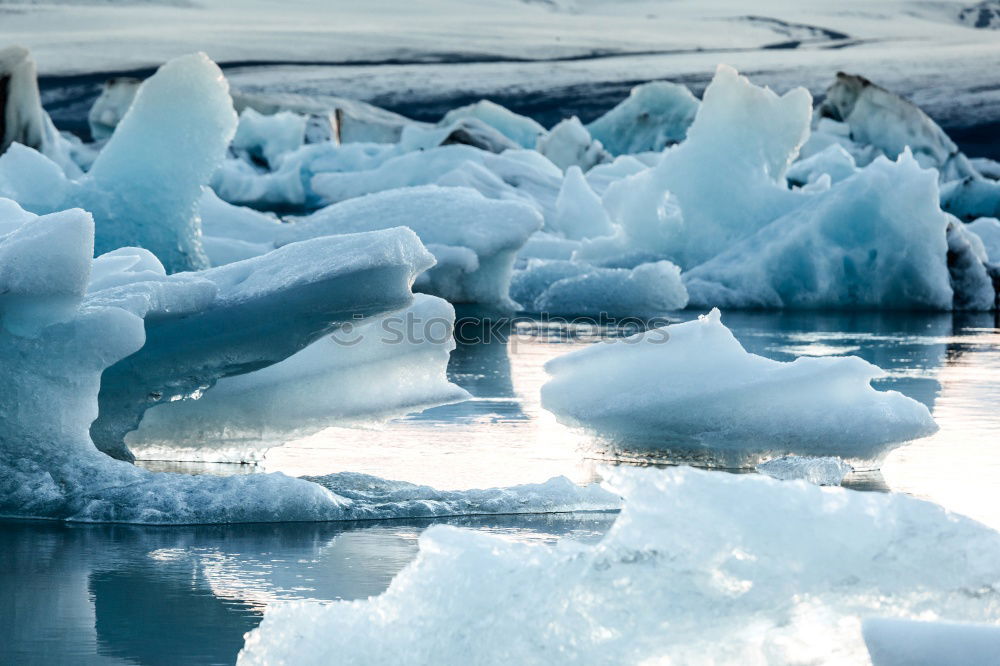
x: 700, y: 567
x: 691, y: 392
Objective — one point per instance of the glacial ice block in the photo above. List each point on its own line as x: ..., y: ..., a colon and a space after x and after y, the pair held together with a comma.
x: 570, y: 144
x: 245, y: 316
x: 49, y: 466
x: 876, y: 240
x: 691, y: 392
x: 520, y: 129
x: 394, y: 364
x: 654, y: 115
x: 699, y: 568
x: 144, y: 187
x: 727, y: 178
x: 474, y: 239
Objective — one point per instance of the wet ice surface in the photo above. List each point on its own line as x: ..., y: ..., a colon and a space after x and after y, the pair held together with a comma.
x: 126, y: 594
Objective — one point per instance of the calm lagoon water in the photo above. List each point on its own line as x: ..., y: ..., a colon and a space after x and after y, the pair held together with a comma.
x: 137, y: 595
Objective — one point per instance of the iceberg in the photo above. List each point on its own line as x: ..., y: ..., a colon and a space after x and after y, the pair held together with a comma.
x: 144, y: 187
x: 394, y: 365
x: 876, y: 239
x: 234, y: 319
x: 723, y: 183
x: 20, y: 106
x: 892, y: 124
x: 266, y: 138
x: 971, y: 198
x: 699, y: 567
x: 691, y: 392
x: 474, y: 239
x: 579, y: 212
x: 111, y: 105
x: 570, y: 144
x: 988, y: 230
x: 654, y: 116
x: 57, y: 342
x: 576, y: 288
x: 833, y: 161
x: 522, y: 130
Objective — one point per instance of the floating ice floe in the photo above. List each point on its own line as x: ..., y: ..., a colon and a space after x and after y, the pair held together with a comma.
x: 874, y: 240
x: 654, y: 116
x: 699, y: 567
x: 892, y: 124
x: 394, y: 365
x: 144, y: 187
x: 522, y: 130
x: 60, y: 344
x: 570, y: 144
x: 691, y: 392
x: 576, y: 288
x: 988, y: 230
x: 820, y: 471
x: 722, y: 184
x: 906, y: 642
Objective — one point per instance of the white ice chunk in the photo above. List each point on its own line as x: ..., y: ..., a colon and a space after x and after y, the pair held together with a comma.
x: 820, y: 471
x: 647, y: 289
x: 833, y: 161
x: 905, y: 642
x: 520, y: 129
x: 988, y: 230
x: 691, y: 391
x: 727, y: 178
x: 268, y: 138
x: 699, y: 568
x: 874, y: 240
x: 110, y: 107
x: 654, y: 115
x: 890, y: 123
x: 579, y: 212
x: 443, y: 217
x: 569, y: 144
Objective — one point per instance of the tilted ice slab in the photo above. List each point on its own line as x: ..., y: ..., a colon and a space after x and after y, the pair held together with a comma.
x: 522, y: 175
x: 654, y: 116
x: 385, y: 367
x: 876, y: 239
x: 882, y: 119
x: 700, y: 567
x: 143, y: 189
x: 240, y: 317
x: 54, y: 346
x: 725, y: 181
x: 522, y: 130
x: 690, y: 391
x: 474, y: 239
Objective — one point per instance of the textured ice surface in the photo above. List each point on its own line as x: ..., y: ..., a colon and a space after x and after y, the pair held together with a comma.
x: 570, y: 144
x: 108, y: 110
x: 821, y: 471
x: 268, y: 137
x: 901, y: 642
x: 245, y: 316
x: 723, y: 183
x: 988, y: 230
x: 971, y: 198
x: 49, y: 466
x: 143, y: 189
x: 971, y: 276
x: 448, y: 220
x: 647, y: 289
x: 654, y: 115
x: 700, y: 567
x: 833, y: 161
x: 874, y: 240
x: 691, y: 391
x: 520, y: 129
x: 882, y: 119
x: 388, y: 366
x: 579, y: 212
